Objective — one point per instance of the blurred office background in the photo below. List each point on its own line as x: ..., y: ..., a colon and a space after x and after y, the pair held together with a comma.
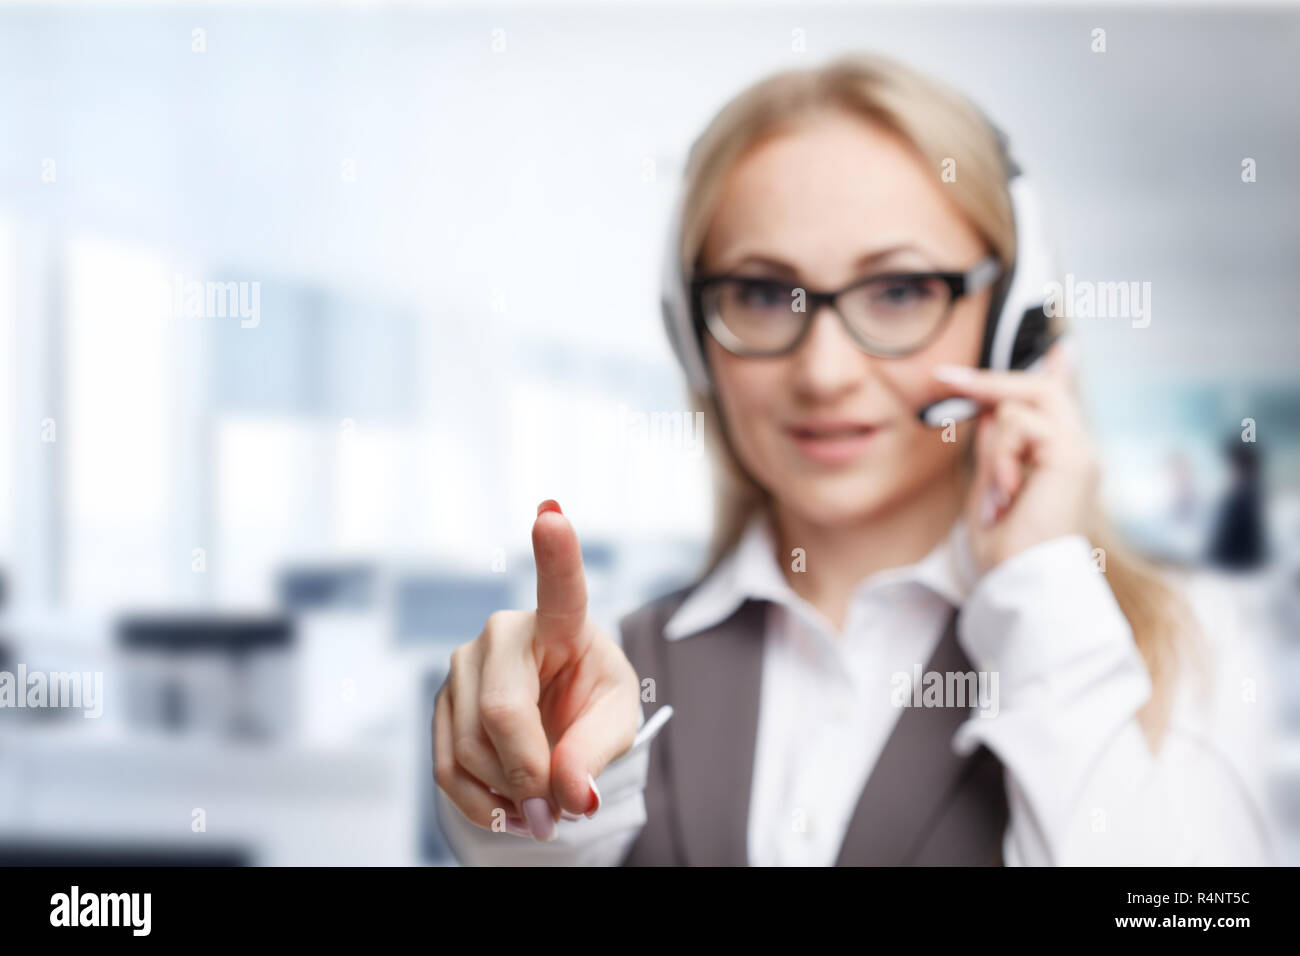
x: 268, y: 524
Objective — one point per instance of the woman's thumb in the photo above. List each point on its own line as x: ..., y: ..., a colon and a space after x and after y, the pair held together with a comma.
x: 604, y: 732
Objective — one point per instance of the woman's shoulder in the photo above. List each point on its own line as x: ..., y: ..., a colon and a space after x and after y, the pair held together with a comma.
x: 650, y: 618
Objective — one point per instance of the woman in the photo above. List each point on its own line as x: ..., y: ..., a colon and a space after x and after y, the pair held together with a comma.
x: 857, y: 553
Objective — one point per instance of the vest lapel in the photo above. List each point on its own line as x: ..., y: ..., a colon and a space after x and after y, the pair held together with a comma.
x: 913, y: 777
x: 713, y: 685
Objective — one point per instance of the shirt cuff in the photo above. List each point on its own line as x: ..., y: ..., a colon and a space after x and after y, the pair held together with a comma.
x: 1043, y: 612
x: 1068, y: 684
x: 601, y: 840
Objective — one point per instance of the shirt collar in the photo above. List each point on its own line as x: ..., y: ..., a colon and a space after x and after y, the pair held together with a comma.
x: 750, y: 571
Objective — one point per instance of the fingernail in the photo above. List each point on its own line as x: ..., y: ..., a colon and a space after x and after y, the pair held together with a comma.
x: 549, y: 504
x: 538, y: 813
x: 989, y: 508
x: 566, y: 815
x: 595, y: 796
x: 953, y: 373
x: 517, y: 827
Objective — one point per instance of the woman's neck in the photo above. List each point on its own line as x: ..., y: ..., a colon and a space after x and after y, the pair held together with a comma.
x: 838, y: 557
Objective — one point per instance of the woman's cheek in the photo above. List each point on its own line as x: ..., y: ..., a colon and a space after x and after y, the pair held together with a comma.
x: 930, y: 450
x: 756, y: 439
x: 911, y: 383
x: 745, y: 395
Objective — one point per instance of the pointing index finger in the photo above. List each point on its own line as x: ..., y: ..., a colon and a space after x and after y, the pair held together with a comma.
x: 561, y: 581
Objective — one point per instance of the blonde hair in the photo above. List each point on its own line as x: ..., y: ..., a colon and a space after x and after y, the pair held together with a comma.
x: 938, y: 123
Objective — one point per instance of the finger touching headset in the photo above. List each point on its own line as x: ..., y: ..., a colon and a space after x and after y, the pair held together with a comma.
x: 1016, y: 334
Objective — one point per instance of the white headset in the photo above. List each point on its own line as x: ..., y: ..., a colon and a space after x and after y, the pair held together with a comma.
x: 1016, y: 339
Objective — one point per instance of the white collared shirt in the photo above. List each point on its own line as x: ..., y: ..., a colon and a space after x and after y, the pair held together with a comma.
x: 1067, y: 680
x: 826, y: 711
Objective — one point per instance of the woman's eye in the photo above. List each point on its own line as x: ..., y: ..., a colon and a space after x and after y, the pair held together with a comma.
x: 898, y: 293
x: 761, y: 295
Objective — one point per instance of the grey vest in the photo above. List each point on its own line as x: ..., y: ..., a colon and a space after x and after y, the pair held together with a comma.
x: 922, y: 805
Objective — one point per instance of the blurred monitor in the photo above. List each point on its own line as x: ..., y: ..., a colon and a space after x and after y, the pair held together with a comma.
x: 445, y: 607
x: 340, y: 588
x: 599, y: 555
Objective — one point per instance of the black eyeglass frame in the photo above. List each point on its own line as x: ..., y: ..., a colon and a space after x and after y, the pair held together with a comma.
x: 975, y: 279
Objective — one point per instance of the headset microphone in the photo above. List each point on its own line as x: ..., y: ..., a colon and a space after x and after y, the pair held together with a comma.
x: 1019, y: 332
x: 1016, y: 335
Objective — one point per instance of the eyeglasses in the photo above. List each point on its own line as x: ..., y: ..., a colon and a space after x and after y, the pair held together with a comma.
x: 888, y: 315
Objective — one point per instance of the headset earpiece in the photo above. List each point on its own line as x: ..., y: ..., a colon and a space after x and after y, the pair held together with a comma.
x: 677, y: 308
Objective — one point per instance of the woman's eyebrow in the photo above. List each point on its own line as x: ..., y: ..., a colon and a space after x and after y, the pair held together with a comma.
x: 770, y: 266
x: 781, y: 269
x: 884, y: 255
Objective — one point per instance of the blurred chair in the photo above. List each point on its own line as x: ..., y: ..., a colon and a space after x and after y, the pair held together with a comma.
x: 434, y: 847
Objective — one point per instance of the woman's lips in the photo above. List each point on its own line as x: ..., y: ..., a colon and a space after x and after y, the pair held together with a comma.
x: 832, y: 443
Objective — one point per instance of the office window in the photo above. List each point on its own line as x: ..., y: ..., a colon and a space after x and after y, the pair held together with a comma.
x: 8, y: 390
x: 271, y: 504
x: 116, y: 427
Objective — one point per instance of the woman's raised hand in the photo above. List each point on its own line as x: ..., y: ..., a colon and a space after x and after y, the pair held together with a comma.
x: 537, y: 705
x: 1036, y: 471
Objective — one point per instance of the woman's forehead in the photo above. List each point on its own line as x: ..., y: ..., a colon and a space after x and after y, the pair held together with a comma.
x: 832, y: 195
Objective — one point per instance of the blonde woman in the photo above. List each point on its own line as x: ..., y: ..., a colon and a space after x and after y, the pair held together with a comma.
x: 784, y: 710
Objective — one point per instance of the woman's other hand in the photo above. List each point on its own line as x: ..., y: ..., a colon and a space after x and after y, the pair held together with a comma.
x: 1036, y: 471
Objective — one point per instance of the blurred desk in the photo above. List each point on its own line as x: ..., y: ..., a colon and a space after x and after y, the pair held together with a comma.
x: 280, y: 805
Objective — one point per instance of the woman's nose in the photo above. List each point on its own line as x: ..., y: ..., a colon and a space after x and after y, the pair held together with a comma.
x: 828, y: 362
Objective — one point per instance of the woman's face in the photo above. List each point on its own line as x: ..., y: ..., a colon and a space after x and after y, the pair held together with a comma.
x: 830, y: 431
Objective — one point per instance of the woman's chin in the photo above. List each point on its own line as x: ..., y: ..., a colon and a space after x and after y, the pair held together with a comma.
x: 834, y: 503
